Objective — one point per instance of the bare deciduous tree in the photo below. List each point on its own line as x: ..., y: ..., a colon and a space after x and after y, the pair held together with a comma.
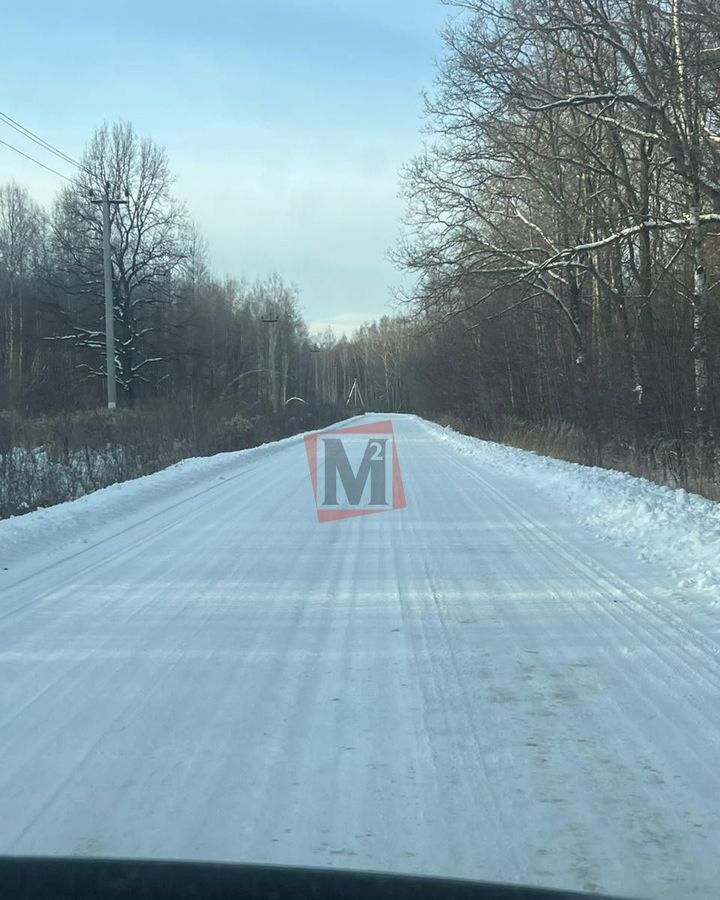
x: 149, y: 244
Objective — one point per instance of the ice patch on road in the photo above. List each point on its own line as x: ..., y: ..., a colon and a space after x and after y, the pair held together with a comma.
x: 661, y: 524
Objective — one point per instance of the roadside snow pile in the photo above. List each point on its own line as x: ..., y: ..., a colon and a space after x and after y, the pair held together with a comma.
x: 55, y: 529
x: 52, y: 531
x: 663, y: 524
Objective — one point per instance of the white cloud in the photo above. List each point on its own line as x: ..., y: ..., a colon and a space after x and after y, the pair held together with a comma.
x: 344, y: 324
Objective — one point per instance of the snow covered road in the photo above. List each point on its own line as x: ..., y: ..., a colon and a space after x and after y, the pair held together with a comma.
x: 478, y: 685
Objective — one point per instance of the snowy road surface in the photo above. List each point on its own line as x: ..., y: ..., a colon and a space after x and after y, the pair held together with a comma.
x: 477, y: 685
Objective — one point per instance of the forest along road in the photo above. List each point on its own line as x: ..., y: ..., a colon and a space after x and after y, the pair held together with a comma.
x: 471, y: 686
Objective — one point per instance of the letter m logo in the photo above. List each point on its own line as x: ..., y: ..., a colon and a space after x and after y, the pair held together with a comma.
x: 355, y: 471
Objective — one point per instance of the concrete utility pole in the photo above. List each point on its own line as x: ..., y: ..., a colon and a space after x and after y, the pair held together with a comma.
x: 315, y: 350
x: 106, y: 203
x: 270, y: 318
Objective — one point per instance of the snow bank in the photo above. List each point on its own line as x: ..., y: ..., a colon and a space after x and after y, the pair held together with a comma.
x: 53, y: 531
x: 64, y: 526
x: 661, y: 524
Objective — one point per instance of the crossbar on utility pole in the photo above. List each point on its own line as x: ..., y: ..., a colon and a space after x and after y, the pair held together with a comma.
x: 106, y: 203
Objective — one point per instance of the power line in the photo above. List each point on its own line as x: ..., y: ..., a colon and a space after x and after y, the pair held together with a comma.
x: 36, y: 161
x: 46, y: 145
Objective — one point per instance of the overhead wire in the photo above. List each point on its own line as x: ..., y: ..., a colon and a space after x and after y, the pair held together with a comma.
x: 41, y: 142
x: 36, y: 161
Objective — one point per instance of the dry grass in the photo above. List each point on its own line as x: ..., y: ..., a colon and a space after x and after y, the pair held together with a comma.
x: 51, y: 459
x: 660, y: 459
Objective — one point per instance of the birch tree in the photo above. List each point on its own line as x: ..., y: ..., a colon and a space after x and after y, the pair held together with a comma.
x: 22, y: 227
x: 574, y: 162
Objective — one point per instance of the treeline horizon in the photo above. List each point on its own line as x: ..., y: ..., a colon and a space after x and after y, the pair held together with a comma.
x: 181, y: 333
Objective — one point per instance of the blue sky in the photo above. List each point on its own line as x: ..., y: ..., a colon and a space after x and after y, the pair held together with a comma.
x: 286, y: 121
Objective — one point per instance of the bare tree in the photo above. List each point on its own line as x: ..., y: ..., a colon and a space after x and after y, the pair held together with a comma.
x: 575, y: 162
x: 22, y: 226
x: 149, y: 244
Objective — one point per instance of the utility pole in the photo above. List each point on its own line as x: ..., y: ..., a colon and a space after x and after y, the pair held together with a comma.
x: 270, y: 318
x: 315, y: 350
x: 106, y: 203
